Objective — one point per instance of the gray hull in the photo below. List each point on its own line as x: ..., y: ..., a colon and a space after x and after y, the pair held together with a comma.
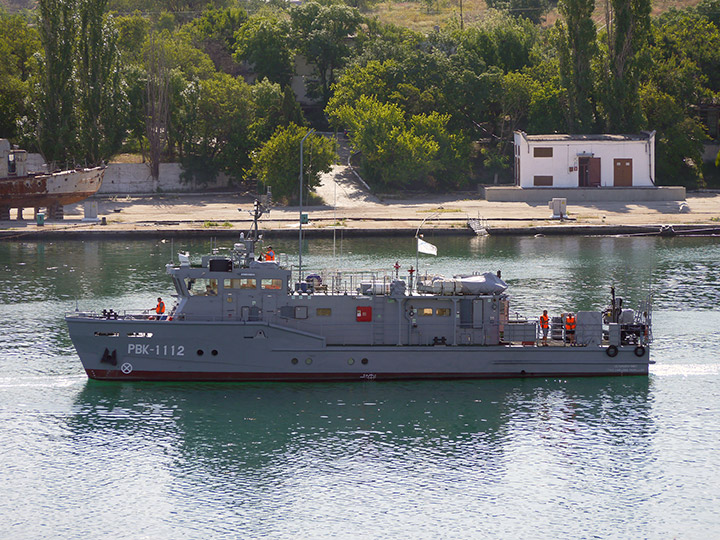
x: 246, y: 351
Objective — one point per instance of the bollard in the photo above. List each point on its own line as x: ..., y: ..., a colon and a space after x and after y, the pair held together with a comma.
x: 40, y: 219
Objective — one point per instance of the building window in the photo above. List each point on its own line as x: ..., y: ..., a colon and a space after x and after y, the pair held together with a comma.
x: 541, y: 151
x: 323, y: 312
x: 542, y: 180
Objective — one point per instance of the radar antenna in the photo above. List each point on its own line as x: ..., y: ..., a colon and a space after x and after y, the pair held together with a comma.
x: 256, y: 213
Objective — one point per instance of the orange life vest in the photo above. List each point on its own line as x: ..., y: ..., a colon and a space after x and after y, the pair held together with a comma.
x: 160, y: 309
x: 544, y: 321
x: 270, y: 255
x: 570, y: 323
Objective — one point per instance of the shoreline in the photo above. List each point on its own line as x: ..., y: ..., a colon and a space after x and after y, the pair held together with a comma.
x: 227, y: 214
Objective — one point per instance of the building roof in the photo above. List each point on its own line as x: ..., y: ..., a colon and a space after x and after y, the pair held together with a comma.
x: 560, y: 137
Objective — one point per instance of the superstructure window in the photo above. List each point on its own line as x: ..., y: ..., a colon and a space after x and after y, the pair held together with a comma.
x: 442, y: 312
x: 323, y: 312
x: 271, y: 283
x: 242, y: 283
x: 425, y: 311
x: 201, y: 286
x: 542, y: 151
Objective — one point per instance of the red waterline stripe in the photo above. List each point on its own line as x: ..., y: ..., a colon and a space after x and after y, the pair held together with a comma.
x: 117, y: 375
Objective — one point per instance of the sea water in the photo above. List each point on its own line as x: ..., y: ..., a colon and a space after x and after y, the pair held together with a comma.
x: 615, y: 457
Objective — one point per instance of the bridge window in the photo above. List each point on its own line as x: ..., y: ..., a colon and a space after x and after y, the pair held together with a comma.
x: 202, y: 286
x: 242, y: 283
x: 271, y: 283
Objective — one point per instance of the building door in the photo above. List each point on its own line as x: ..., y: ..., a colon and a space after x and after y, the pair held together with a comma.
x: 594, y: 172
x: 583, y: 172
x: 588, y: 172
x: 622, y: 175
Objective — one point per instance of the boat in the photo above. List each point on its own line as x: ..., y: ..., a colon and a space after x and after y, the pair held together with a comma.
x: 238, y: 318
x: 22, y: 189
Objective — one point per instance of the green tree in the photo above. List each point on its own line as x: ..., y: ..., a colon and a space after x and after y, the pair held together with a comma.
x: 214, y: 34
x: 679, y: 140
x: 132, y: 31
x: 19, y: 42
x: 321, y: 35
x: 711, y: 10
x: 274, y: 107
x: 450, y: 166
x: 56, y: 130
x: 532, y: 10
x: 277, y: 162
x: 419, y: 153
x: 499, y: 40
x: 265, y: 43
x: 627, y: 30
x: 221, y: 131
x: 576, y: 45
x: 686, y: 45
x: 102, y: 103
x: 371, y: 79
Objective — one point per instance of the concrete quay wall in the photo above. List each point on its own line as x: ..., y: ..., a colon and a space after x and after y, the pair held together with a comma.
x: 134, y: 178
x: 582, y: 195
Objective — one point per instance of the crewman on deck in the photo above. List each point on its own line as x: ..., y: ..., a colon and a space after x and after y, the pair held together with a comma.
x: 544, y: 326
x: 160, y: 308
x: 270, y: 254
x: 570, y: 327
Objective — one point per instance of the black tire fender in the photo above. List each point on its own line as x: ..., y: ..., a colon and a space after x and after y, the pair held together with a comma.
x: 639, y: 351
x: 611, y: 351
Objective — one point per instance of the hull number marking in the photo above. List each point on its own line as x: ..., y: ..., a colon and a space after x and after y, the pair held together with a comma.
x: 156, y: 350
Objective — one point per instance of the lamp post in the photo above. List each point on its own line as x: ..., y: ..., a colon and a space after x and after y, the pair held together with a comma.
x: 301, y: 214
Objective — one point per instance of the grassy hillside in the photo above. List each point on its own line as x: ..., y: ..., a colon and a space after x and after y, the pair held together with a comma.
x: 422, y: 17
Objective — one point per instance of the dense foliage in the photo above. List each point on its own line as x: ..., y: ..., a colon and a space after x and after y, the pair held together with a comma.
x: 209, y: 83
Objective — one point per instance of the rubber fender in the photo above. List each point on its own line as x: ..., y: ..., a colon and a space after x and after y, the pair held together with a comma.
x: 639, y: 351
x: 611, y: 351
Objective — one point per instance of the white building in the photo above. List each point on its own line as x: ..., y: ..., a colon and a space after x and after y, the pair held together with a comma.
x: 571, y: 161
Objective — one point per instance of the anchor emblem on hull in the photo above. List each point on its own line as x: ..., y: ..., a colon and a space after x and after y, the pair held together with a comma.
x: 109, y: 357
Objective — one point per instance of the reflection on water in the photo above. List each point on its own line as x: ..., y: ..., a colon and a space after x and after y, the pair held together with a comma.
x: 269, y: 447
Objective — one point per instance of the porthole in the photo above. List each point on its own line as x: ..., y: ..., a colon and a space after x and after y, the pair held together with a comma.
x: 308, y: 361
x: 351, y: 361
x: 294, y: 361
x: 364, y: 361
x: 200, y: 352
x: 214, y: 352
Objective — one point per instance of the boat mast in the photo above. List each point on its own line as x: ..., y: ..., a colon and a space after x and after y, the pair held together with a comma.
x: 300, y: 198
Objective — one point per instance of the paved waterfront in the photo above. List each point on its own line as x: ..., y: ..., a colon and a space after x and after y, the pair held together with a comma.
x: 358, y: 212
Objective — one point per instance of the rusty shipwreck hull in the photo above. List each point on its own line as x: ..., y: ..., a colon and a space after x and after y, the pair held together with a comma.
x: 52, y: 189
